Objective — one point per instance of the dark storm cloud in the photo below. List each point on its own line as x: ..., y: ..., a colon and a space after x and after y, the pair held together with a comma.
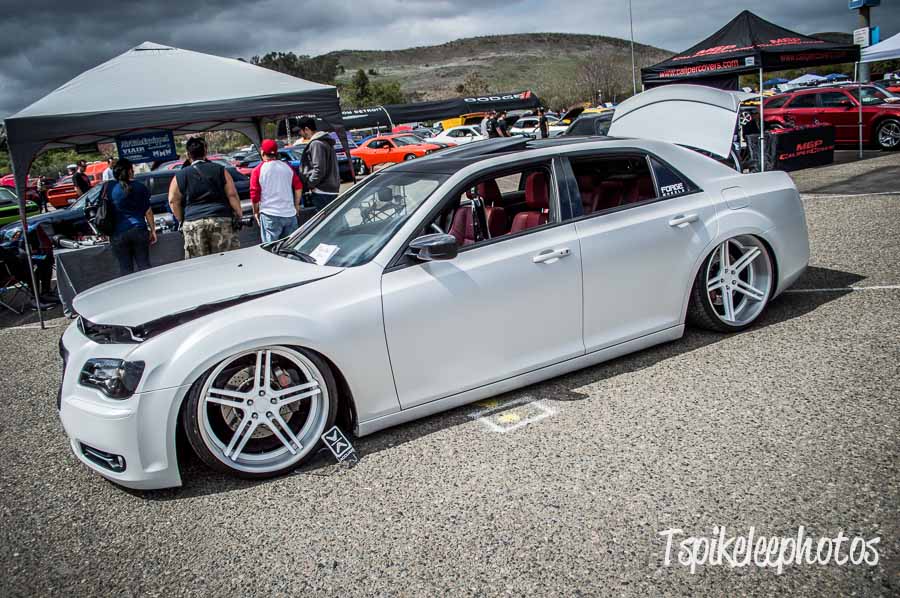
x: 45, y: 43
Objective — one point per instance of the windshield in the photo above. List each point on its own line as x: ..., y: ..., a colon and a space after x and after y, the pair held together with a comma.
x: 870, y: 95
x: 7, y: 195
x: 407, y: 140
x: 89, y: 195
x: 364, y: 220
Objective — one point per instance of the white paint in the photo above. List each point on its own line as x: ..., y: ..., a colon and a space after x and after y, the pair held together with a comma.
x: 483, y: 415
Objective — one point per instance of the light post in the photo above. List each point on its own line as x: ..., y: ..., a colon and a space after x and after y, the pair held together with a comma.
x: 633, y: 70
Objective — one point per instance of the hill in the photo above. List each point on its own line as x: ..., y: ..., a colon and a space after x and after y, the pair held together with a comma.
x: 560, y: 67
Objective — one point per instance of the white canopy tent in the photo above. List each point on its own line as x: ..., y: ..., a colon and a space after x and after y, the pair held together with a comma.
x: 159, y: 88
x: 889, y: 49
x: 807, y: 79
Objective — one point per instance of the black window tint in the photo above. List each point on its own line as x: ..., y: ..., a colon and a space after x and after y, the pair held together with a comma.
x: 608, y: 182
x: 160, y: 184
x: 777, y: 102
x: 833, y: 99
x: 582, y: 126
x: 804, y: 101
x: 670, y: 183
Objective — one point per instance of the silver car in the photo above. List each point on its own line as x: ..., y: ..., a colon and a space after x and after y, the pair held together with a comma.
x: 434, y: 283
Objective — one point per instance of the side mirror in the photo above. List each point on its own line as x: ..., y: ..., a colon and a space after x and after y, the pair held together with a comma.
x: 437, y: 246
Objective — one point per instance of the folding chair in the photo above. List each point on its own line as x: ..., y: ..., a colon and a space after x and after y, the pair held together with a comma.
x: 11, y: 288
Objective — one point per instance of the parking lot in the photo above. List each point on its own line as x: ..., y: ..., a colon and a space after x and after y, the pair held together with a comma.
x: 560, y: 488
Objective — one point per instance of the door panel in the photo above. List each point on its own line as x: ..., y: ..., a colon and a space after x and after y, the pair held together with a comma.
x: 491, y: 313
x: 638, y: 266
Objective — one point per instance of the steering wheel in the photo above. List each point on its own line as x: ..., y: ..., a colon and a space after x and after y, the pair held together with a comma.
x: 433, y: 226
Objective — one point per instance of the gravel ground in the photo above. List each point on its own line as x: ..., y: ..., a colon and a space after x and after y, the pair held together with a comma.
x: 794, y: 422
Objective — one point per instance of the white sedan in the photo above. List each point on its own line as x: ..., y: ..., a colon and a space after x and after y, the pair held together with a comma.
x: 432, y: 284
x: 459, y: 135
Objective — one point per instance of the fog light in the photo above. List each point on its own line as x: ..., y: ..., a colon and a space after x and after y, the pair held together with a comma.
x: 115, y: 463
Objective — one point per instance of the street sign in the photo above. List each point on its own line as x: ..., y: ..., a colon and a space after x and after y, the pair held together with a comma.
x: 861, y: 37
x: 147, y: 147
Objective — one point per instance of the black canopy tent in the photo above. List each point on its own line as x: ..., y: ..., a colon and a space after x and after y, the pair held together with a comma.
x: 747, y: 44
x: 392, y: 114
x: 124, y: 95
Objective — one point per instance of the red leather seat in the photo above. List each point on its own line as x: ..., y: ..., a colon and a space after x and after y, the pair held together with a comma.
x: 537, y: 200
x: 496, y: 220
x: 610, y: 195
x: 590, y: 194
x: 463, y: 227
x: 489, y: 191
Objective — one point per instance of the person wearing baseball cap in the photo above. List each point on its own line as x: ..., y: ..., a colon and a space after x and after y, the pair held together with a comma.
x: 275, y: 192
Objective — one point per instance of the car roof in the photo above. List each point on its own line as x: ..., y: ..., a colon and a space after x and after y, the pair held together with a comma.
x: 452, y: 160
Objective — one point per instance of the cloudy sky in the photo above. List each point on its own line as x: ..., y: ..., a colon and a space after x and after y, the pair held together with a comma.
x: 44, y: 43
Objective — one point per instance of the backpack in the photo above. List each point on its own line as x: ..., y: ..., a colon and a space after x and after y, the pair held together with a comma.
x: 105, y: 215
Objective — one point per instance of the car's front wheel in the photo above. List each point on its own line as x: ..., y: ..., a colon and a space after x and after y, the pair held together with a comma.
x: 261, y: 413
x: 888, y: 134
x: 733, y: 286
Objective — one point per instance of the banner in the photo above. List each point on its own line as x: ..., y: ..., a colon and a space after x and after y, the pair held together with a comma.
x: 147, y: 147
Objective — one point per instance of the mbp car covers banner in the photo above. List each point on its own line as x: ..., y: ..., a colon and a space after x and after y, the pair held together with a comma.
x: 393, y: 114
x: 744, y: 45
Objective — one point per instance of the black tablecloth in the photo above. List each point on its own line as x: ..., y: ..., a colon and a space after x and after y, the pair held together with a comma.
x: 80, y: 269
x: 797, y: 148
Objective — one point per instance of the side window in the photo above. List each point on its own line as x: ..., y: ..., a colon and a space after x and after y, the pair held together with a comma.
x: 160, y: 184
x: 455, y: 133
x: 602, y: 125
x: 500, y: 204
x: 807, y: 100
x: 670, y: 183
x: 776, y: 102
x: 608, y: 182
x: 833, y: 99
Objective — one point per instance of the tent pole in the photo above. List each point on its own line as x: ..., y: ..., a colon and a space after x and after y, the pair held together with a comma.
x: 22, y: 187
x: 762, y: 126
x: 859, y: 102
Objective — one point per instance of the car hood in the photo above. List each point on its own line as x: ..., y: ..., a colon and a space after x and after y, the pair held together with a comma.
x: 691, y: 115
x: 202, y: 282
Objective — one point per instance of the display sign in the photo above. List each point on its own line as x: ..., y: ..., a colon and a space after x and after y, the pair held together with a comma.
x: 861, y: 37
x: 147, y: 147
x: 857, y: 4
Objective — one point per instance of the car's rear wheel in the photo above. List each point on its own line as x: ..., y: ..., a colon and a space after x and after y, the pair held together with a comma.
x: 261, y: 413
x: 409, y: 157
x: 888, y: 134
x: 733, y: 286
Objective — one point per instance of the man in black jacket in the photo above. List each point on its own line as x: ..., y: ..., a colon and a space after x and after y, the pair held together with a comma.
x: 80, y: 179
x: 318, y: 166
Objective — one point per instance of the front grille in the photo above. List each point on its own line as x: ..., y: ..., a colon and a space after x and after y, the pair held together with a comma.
x: 114, y: 463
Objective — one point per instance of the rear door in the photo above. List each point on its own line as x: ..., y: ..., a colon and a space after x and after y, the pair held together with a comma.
x: 803, y: 109
x: 639, y: 246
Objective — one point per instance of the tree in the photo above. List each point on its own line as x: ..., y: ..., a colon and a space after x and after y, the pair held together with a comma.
x: 321, y: 69
x: 604, y: 73
x: 362, y: 93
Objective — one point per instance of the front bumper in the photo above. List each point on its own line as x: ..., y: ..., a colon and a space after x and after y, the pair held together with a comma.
x: 130, y: 442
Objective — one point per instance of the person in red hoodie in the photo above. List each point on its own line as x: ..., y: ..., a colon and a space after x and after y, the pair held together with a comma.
x: 275, y: 192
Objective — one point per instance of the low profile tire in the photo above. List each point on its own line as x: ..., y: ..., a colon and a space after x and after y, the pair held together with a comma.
x: 733, y: 286
x: 408, y: 157
x: 362, y: 170
x: 261, y: 413
x: 888, y: 134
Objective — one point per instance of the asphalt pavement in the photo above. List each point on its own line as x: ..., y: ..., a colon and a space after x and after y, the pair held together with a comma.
x: 561, y: 488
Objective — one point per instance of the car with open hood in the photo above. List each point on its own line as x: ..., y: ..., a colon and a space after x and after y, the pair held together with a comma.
x: 433, y: 283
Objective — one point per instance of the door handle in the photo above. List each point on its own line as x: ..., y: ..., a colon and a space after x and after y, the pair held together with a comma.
x: 551, y: 255
x: 683, y: 219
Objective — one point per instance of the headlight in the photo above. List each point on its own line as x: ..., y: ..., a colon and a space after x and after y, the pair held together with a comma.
x: 115, y: 378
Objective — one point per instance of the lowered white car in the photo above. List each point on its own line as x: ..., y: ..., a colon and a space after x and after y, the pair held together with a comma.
x: 434, y: 283
x: 459, y: 135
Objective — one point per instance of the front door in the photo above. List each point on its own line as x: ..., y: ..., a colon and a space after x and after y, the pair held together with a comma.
x: 506, y: 305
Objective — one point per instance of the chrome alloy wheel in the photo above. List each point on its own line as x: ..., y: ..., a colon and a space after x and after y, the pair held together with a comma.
x: 263, y: 410
x: 889, y: 135
x: 739, y: 280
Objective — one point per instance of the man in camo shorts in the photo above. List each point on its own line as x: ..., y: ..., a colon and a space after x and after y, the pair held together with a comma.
x: 204, y: 200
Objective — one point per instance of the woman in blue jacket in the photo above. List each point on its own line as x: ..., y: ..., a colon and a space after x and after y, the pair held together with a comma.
x: 135, y: 229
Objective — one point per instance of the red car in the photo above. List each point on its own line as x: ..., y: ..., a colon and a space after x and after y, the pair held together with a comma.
x: 838, y: 106
x: 388, y: 149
